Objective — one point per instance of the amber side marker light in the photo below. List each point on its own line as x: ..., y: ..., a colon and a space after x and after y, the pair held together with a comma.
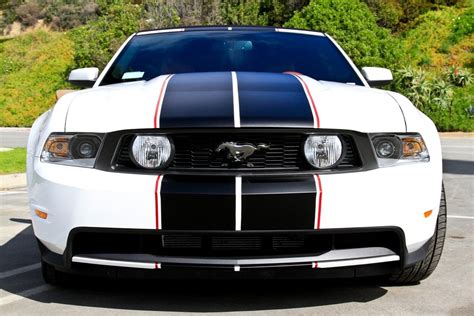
x: 428, y: 213
x: 41, y: 214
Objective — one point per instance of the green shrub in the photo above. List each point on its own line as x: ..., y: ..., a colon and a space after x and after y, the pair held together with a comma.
x: 64, y: 15
x: 459, y: 77
x: 160, y: 15
x: 423, y: 43
x: 247, y: 12
x: 96, y: 42
x: 32, y: 67
x: 445, y: 104
x: 457, y: 116
x: 425, y: 93
x: 463, y: 26
x: 259, y: 12
x: 387, y: 12
x: 353, y: 25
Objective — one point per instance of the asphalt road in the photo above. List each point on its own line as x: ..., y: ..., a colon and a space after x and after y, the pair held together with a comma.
x: 450, y: 290
x: 13, y: 137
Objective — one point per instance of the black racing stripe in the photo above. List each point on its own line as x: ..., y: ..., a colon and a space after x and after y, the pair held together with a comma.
x: 198, y: 203
x: 272, y: 100
x: 278, y: 203
x: 198, y: 100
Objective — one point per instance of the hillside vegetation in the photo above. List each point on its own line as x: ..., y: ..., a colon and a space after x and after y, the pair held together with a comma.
x: 437, y: 74
x: 428, y: 44
x: 32, y: 68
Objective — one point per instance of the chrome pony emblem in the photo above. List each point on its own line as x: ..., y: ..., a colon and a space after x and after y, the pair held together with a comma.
x: 239, y: 152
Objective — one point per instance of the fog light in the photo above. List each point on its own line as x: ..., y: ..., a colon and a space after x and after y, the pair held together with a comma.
x: 151, y: 152
x: 323, y: 151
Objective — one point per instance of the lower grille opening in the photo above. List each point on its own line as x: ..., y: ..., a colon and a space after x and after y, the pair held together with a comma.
x: 229, y: 245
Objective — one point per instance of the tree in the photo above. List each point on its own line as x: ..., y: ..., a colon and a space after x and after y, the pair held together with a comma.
x: 353, y: 25
x: 96, y: 42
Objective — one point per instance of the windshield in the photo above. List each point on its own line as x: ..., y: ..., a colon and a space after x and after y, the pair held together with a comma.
x: 148, y: 56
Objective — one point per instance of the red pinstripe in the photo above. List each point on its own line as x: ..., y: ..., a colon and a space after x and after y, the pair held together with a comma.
x: 157, y: 210
x: 160, y: 98
x: 308, y: 93
x: 320, y: 190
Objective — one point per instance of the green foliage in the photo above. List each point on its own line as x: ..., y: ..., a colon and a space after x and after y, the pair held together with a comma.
x: 32, y: 68
x: 459, y: 77
x: 413, y: 9
x: 247, y: 12
x: 280, y: 11
x: 457, y: 116
x: 432, y: 39
x: 445, y: 104
x: 96, y: 42
x: 13, y: 161
x: 463, y: 26
x: 160, y: 15
x: 259, y: 12
x: 427, y: 43
x: 440, y: 43
x: 424, y: 92
x: 387, y: 12
x: 351, y: 23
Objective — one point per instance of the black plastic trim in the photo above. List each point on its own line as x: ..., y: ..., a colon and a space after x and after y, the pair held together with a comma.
x: 173, y: 271
x: 110, y: 151
x: 69, y: 251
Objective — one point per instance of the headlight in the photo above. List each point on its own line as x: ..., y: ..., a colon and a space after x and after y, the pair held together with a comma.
x: 387, y: 147
x: 393, y: 149
x: 151, y: 152
x: 73, y: 150
x: 323, y: 151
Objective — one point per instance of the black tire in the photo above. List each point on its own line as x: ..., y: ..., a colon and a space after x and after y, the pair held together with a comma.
x: 423, y: 269
x: 53, y: 276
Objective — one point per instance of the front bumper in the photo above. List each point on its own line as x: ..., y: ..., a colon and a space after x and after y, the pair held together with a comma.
x: 396, y: 197
x: 343, y: 252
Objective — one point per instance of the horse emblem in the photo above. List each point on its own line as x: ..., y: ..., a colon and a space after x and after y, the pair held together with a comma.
x: 239, y: 152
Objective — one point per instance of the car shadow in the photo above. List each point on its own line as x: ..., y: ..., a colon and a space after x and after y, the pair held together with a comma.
x: 464, y: 167
x: 174, y: 295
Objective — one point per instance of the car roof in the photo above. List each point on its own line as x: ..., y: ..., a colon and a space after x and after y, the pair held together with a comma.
x: 229, y: 28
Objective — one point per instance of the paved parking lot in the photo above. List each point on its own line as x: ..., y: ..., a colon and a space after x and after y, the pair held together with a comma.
x: 450, y: 290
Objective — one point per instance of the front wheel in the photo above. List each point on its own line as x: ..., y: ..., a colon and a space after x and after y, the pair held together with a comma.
x: 423, y: 269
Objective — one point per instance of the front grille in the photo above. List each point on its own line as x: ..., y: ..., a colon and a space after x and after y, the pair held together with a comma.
x: 229, y: 245
x: 198, y: 152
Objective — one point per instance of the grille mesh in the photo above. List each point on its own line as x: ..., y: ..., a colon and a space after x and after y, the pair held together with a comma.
x: 198, y: 152
x: 228, y: 243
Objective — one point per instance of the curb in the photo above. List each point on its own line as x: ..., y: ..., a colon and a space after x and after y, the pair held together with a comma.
x: 456, y: 135
x: 15, y: 129
x: 12, y: 181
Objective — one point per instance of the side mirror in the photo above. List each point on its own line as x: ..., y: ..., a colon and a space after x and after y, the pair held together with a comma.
x: 377, y: 76
x: 84, y: 77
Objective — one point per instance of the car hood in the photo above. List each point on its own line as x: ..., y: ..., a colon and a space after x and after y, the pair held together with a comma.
x: 227, y: 100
